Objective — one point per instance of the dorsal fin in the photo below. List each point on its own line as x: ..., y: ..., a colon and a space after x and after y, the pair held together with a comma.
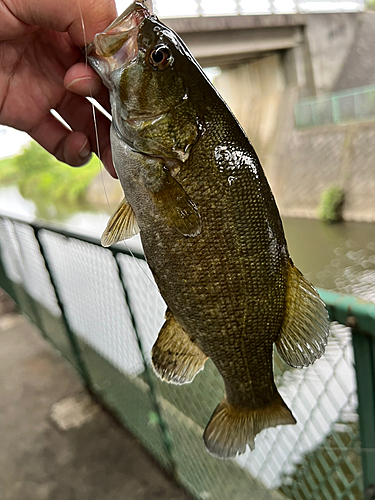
x: 121, y: 226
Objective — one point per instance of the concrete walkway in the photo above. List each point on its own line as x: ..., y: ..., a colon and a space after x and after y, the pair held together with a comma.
x: 95, y: 459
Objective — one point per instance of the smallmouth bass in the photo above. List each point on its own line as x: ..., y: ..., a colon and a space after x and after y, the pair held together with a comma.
x: 211, y: 232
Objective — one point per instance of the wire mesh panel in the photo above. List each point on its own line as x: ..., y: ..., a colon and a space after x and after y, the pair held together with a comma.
x: 89, y: 285
x: 11, y: 252
x: 146, y: 302
x: 25, y: 267
x: 35, y: 276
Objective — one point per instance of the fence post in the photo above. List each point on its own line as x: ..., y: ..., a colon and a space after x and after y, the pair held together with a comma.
x: 314, y: 113
x: 364, y: 356
x: 73, y: 341
x: 199, y: 8
x: 6, y: 283
x: 355, y: 104
x: 335, y: 109
x: 167, y: 441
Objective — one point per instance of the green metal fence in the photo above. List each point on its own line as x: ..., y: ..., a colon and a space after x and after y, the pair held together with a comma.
x: 101, y: 308
x: 339, y: 107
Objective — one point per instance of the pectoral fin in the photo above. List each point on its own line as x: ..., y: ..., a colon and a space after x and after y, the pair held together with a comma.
x: 176, y: 359
x: 176, y: 207
x: 121, y: 226
x: 305, y: 329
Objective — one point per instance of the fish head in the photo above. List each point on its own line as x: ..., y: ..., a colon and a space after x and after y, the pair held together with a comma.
x: 153, y: 81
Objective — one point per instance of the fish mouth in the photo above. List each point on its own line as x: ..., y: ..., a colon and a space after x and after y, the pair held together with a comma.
x: 117, y: 45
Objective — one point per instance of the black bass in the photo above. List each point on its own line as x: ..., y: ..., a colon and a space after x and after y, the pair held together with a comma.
x: 210, y: 229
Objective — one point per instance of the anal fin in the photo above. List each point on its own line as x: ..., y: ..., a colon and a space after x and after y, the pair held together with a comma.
x: 305, y: 329
x: 121, y: 226
x: 231, y: 429
x: 176, y: 359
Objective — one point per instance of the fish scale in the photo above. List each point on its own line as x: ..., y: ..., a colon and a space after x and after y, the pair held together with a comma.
x: 210, y: 229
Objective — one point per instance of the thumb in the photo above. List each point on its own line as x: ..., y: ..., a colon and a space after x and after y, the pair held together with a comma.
x: 82, y: 19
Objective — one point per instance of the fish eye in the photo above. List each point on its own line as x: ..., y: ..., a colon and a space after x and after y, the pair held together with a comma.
x: 160, y: 57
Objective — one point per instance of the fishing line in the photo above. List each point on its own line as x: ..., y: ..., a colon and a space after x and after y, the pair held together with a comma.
x: 93, y: 111
x: 95, y: 105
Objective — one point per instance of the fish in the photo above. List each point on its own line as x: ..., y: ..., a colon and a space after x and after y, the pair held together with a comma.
x: 195, y: 191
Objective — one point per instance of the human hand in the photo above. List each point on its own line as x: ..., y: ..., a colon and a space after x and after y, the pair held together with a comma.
x: 42, y: 68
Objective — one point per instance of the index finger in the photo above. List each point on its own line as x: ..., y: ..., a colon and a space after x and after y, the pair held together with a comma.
x: 82, y: 19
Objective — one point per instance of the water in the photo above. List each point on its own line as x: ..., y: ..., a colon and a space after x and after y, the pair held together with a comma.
x: 338, y: 257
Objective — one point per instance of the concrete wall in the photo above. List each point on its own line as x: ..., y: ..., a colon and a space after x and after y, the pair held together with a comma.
x: 261, y: 93
x: 309, y: 161
x: 327, y: 156
x: 301, y: 164
x: 329, y: 38
x: 359, y: 66
x: 325, y: 52
x: 254, y: 92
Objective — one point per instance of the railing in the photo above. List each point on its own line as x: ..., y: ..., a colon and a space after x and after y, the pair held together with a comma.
x: 168, y: 8
x: 339, y: 107
x: 101, y: 309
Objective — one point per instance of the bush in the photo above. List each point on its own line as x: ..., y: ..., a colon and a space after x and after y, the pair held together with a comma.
x: 57, y: 189
x: 331, y: 205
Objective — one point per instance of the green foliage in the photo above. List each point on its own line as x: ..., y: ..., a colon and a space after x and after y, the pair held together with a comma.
x: 331, y: 205
x: 56, y: 188
x: 370, y: 4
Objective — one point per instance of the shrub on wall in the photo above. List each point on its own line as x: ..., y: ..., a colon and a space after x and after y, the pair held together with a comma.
x: 331, y: 204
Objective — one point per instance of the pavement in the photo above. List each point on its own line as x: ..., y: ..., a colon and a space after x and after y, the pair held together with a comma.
x: 55, y: 443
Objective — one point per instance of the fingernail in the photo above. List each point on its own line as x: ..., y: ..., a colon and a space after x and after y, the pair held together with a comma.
x: 85, y: 150
x: 93, y: 83
x: 74, y: 82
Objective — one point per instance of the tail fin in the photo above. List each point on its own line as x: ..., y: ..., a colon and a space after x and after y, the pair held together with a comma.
x: 230, y: 429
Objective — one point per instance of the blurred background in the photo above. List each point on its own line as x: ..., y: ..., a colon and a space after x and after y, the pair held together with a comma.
x: 299, y: 75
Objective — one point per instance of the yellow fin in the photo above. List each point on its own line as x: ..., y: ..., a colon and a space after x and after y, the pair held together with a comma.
x: 305, y: 329
x: 121, y: 226
x: 178, y: 209
x: 230, y: 429
x: 176, y: 359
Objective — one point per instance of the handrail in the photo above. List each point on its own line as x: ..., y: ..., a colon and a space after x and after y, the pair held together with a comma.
x: 351, y: 311
x: 267, y: 7
x: 355, y: 104
x: 39, y: 224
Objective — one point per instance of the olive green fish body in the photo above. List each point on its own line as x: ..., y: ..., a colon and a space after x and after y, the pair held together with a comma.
x: 210, y: 229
